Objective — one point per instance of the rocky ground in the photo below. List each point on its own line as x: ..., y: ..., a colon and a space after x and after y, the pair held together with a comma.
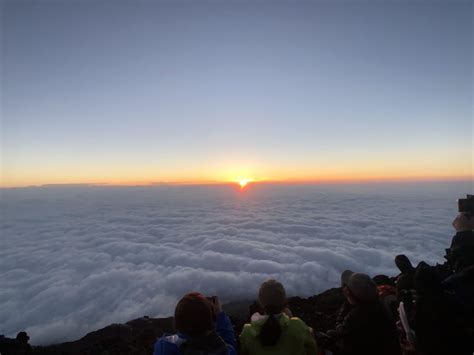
x: 138, y: 336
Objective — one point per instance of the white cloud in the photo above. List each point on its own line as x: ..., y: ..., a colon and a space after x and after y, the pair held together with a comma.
x: 76, y: 259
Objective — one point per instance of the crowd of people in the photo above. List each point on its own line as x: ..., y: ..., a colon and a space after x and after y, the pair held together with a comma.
x: 425, y: 310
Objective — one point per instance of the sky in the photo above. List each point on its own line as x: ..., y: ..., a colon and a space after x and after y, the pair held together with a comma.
x: 145, y: 92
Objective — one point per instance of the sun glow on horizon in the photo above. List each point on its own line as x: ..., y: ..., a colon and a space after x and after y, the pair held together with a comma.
x: 244, y: 182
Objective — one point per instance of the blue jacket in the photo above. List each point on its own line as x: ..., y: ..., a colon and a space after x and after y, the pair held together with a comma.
x: 169, y: 344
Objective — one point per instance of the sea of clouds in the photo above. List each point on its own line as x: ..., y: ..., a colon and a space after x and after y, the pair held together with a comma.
x: 75, y: 259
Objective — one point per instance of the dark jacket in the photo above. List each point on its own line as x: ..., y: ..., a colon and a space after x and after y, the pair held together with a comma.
x: 440, y: 326
x: 368, y: 329
x: 170, y: 344
x: 462, y: 284
x: 342, y: 312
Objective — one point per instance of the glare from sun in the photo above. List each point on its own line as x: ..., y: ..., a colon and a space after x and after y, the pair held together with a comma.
x: 244, y: 182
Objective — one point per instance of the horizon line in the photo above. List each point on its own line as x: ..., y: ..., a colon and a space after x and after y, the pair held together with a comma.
x: 334, y: 181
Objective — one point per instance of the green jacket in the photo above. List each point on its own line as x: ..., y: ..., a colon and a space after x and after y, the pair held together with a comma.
x: 296, y: 338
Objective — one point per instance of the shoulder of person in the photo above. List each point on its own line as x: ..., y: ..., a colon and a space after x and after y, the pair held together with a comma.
x: 222, y: 316
x: 296, y: 320
x: 248, y: 335
x: 248, y: 330
x: 297, y: 323
x: 168, y: 344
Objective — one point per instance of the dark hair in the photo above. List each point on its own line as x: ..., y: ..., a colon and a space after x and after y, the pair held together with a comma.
x: 270, y: 332
x: 194, y: 315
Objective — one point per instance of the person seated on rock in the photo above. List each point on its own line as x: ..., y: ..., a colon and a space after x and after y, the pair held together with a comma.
x: 368, y: 328
x: 406, y: 295
x: 345, y: 307
x: 440, y: 324
x: 23, y: 347
x: 461, y: 252
x: 274, y: 332
x: 405, y: 313
x: 461, y: 284
x: 202, y: 328
x: 406, y: 268
x: 461, y: 260
x: 387, y: 293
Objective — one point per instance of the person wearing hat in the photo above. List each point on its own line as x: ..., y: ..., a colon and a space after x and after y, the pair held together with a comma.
x: 275, y: 332
x: 201, y: 327
x: 367, y: 328
x: 464, y: 221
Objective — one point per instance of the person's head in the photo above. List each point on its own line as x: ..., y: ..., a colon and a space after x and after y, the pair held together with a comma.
x: 272, y: 298
x: 383, y: 280
x: 404, y: 264
x: 361, y: 289
x: 346, y: 274
x: 427, y: 281
x: 194, y: 315
x: 464, y: 221
x: 22, y: 337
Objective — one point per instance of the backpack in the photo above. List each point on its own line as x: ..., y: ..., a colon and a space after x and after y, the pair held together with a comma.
x: 210, y: 344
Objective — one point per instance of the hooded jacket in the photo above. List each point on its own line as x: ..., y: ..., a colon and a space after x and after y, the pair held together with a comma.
x: 170, y: 344
x: 296, y: 337
x: 368, y: 329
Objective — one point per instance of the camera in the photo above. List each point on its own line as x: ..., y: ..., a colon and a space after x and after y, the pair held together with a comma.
x: 466, y: 204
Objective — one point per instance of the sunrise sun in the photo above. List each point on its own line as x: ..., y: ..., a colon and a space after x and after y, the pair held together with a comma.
x: 244, y: 181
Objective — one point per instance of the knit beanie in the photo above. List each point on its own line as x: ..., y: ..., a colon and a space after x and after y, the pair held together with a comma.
x: 194, y: 315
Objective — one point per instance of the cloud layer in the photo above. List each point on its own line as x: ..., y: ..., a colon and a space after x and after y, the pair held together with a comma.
x: 74, y: 259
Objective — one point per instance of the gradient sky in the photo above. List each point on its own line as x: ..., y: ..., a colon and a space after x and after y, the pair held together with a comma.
x: 176, y: 91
